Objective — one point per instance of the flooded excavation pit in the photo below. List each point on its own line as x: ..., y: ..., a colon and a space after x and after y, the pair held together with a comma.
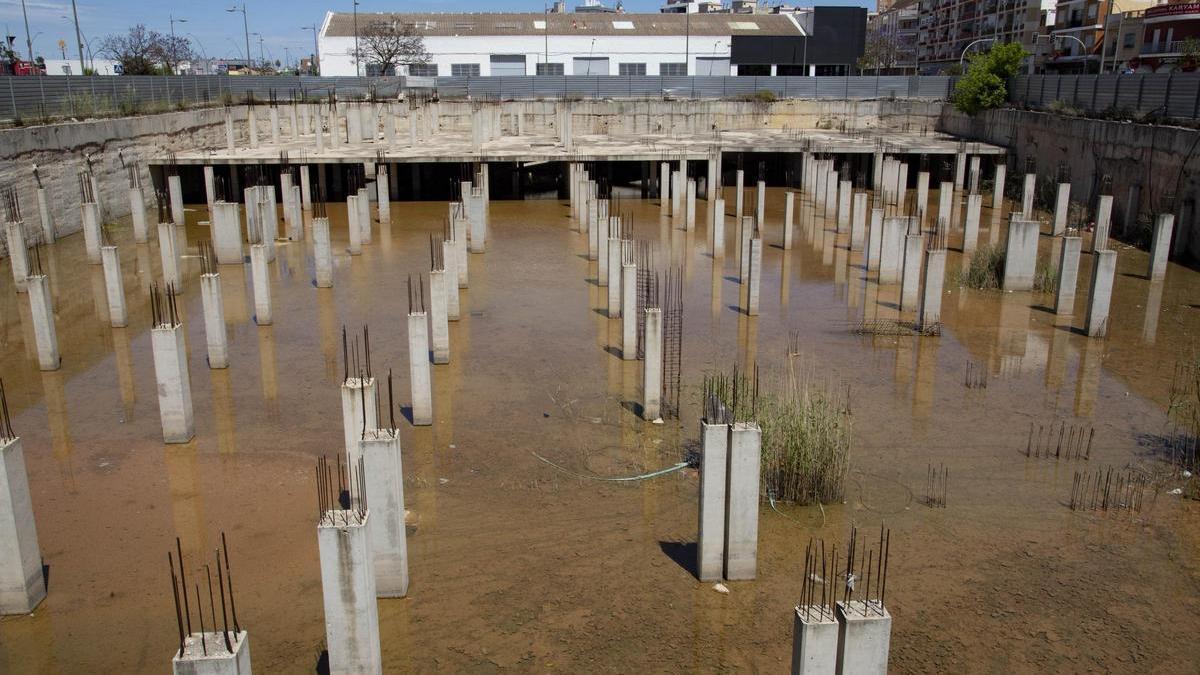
x: 544, y: 392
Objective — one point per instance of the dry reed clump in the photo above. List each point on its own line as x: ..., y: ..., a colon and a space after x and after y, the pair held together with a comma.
x: 985, y: 271
x: 806, y: 432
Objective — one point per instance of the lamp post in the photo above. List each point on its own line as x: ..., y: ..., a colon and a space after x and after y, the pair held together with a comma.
x: 78, y: 37
x: 356, y: 70
x: 316, y: 48
x: 1082, y: 47
x: 262, y: 60
x: 245, y: 29
x: 174, y: 51
x: 968, y: 48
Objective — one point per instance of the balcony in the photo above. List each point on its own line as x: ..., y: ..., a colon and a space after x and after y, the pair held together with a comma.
x: 1172, y: 47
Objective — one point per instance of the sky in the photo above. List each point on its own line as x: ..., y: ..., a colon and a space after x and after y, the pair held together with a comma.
x: 217, y: 33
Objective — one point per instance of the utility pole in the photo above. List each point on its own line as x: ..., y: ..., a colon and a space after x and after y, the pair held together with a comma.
x: 78, y: 38
x: 316, y: 49
x: 356, y: 68
x: 28, y: 40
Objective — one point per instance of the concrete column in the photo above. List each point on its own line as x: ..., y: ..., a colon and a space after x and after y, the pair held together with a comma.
x: 90, y: 212
x: 418, y: 368
x: 22, y: 584
x: 41, y: 305
x: 273, y: 112
x: 177, y: 201
x: 137, y: 212
x: 358, y: 414
x: 296, y: 233
x: 254, y: 232
x: 960, y: 170
x: 628, y: 312
x: 945, y: 204
x: 874, y: 240
x: 593, y: 229
x: 294, y: 115
x: 891, y: 249
x: 49, y: 233
x: 18, y: 253
x: 929, y: 314
x: 973, y: 175
x: 460, y: 245
x: 614, y: 278
x: 1103, y: 223
x: 910, y: 282
x: 383, y: 197
x: 1020, y: 263
x: 355, y: 230
x: 269, y: 219
x: 252, y: 125
x: 348, y: 589
x: 1062, y: 203
x: 754, y: 282
x: 760, y: 207
x: 97, y: 196
x: 710, y: 539
x: 168, y: 249
x: 322, y: 253
x: 214, y: 321
x: 814, y: 642
x: 738, y: 205
x: 439, y: 317
x: 1068, y: 276
x: 858, y: 222
x: 652, y: 366
x: 901, y: 186
x: 229, y: 144
x: 384, y: 475
x: 877, y: 172
x: 664, y: 187
x: 364, y: 214
x: 210, y: 189
x: 711, y: 186
x: 207, y: 655
x: 831, y: 190
x: 789, y: 214
x: 114, y: 285
x: 718, y: 228
x: 477, y: 220
x: 677, y: 190
x: 305, y: 188
x: 336, y: 138
x: 922, y: 194
x: 450, y: 260
x: 998, y: 186
x: 844, y: 197
x: 741, y: 519
x: 174, y: 384
x: 602, y: 259
x: 745, y: 234
x: 1132, y: 207
x: 863, y: 638
x: 1030, y: 189
x: 1104, y: 270
x: 354, y: 131
x: 1160, y: 246
x: 319, y: 129
x: 262, y: 285
x: 971, y: 226
x: 689, y: 222
x: 226, y: 233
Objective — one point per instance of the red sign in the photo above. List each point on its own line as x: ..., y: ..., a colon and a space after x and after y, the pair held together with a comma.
x: 1173, y: 10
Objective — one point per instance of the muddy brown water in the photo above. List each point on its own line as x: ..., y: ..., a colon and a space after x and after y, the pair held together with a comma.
x: 517, y: 566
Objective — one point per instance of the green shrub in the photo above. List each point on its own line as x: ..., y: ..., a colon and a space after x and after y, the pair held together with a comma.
x: 984, y: 86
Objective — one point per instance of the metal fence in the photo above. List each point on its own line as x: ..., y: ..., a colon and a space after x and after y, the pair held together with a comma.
x: 78, y: 95
x: 1159, y: 94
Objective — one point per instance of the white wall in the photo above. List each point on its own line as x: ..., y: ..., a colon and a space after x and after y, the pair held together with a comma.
x: 337, y: 59
x: 62, y: 66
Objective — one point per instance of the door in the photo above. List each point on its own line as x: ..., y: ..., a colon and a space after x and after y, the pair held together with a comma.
x: 591, y: 65
x: 508, y: 64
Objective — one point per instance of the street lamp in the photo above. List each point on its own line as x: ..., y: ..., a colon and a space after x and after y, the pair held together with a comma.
x: 968, y: 48
x: 356, y: 70
x: 261, y: 59
x: 1082, y: 47
x: 316, y: 47
x: 174, y: 51
x: 245, y: 29
x: 203, y: 53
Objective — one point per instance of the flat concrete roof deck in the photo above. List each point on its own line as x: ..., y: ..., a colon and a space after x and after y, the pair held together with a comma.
x: 455, y: 146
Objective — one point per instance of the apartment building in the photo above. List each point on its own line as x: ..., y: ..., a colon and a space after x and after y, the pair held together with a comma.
x: 947, y: 28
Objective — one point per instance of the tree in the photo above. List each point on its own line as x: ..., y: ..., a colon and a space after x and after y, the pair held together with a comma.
x: 146, y: 52
x: 985, y: 85
x: 388, y: 44
x: 880, y: 52
x: 136, y: 50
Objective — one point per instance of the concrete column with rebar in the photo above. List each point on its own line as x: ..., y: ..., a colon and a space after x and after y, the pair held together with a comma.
x: 384, y: 477
x: 741, y: 519
x: 652, y: 371
x: 349, y: 592
x: 22, y: 583
x: 41, y: 305
x: 174, y: 383
x: 1068, y: 276
x: 710, y: 539
x: 114, y: 286
x: 358, y: 412
x: 418, y: 368
x: 214, y: 320
x: 260, y: 274
x: 1104, y: 271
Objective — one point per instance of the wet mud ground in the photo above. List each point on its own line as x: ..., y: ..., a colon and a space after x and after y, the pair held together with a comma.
x: 518, y: 566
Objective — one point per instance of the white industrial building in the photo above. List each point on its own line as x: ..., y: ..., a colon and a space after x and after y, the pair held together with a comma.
x: 572, y: 43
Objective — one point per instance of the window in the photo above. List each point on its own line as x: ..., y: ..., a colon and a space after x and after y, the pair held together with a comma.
x: 464, y: 69
x: 631, y: 69
x: 550, y: 69
x: 623, y: 25
x: 508, y: 64
x: 1129, y: 40
x: 712, y: 66
x: 669, y: 69
x: 591, y: 65
x: 423, y: 69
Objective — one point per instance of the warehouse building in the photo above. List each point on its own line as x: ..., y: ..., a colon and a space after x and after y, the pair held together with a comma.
x: 816, y: 41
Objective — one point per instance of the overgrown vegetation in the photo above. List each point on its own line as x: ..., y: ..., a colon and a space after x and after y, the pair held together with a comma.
x: 806, y: 432
x: 985, y: 270
x: 984, y: 86
x: 1045, y: 277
